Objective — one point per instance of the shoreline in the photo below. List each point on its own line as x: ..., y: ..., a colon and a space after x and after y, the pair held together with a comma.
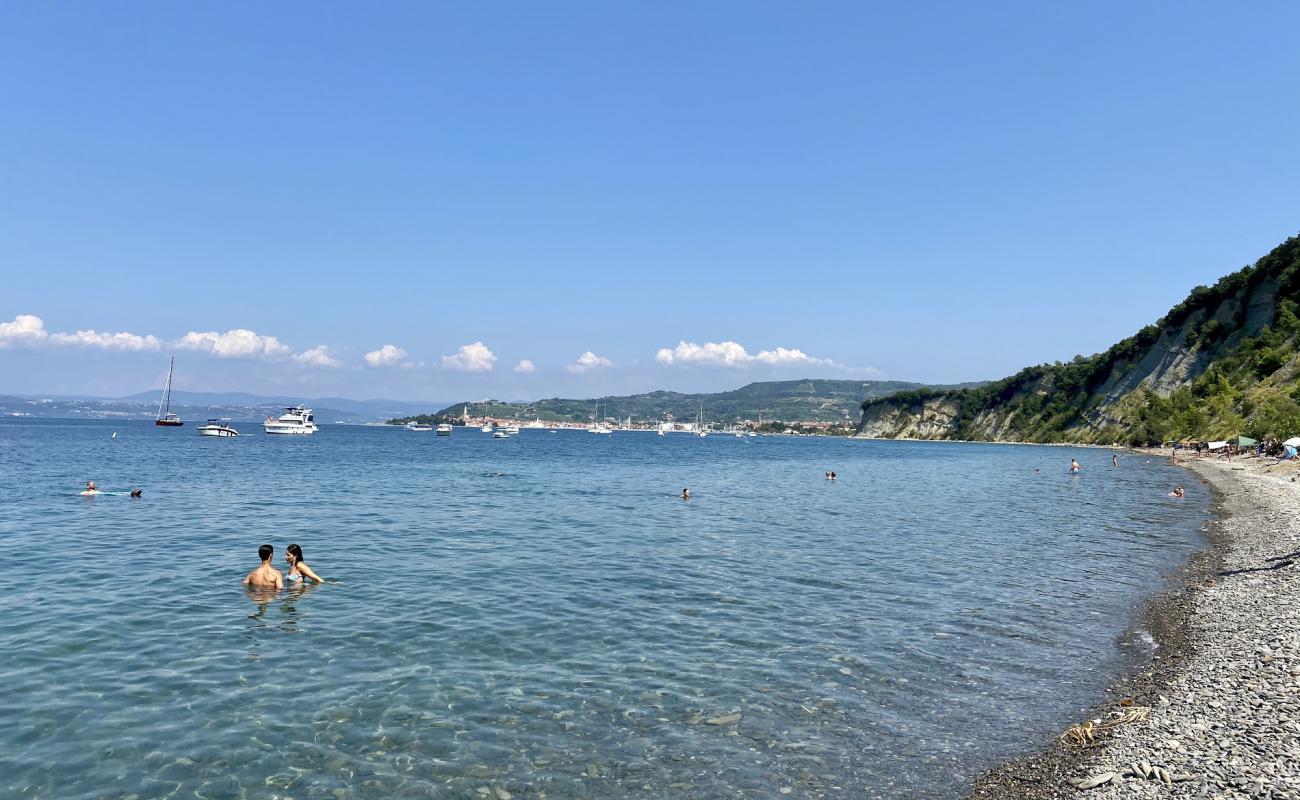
x: 1223, y: 686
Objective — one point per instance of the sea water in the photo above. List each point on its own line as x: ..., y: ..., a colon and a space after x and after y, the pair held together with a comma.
x: 545, y: 615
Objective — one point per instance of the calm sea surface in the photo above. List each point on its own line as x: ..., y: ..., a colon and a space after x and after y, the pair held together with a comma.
x: 543, y: 615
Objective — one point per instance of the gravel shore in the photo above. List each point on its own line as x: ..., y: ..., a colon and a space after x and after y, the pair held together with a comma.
x: 1217, y: 714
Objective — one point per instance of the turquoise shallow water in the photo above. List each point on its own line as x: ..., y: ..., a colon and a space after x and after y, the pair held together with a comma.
x: 541, y: 615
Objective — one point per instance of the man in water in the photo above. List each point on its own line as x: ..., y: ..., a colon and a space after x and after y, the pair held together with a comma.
x: 1177, y: 492
x: 1074, y: 465
x: 265, y: 576
x: 1114, y: 460
x: 90, y: 490
x: 686, y: 494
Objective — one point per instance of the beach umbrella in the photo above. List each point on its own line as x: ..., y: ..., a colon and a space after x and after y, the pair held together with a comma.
x: 1294, y: 441
x: 1244, y: 441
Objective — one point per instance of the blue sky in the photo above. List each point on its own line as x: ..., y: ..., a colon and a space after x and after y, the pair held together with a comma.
x: 696, y: 195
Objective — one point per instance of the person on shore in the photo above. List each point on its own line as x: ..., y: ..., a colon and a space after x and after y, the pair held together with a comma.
x: 686, y: 494
x: 265, y: 576
x: 1177, y: 492
x: 1074, y: 465
x: 298, y: 569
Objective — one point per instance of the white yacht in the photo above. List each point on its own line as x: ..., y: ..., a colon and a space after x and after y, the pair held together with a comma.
x: 419, y: 426
x: 218, y: 426
x: 295, y: 419
x: 444, y: 429
x: 500, y: 433
x: 512, y: 429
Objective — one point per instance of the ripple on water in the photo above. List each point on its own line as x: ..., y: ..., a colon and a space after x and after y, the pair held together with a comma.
x: 548, y: 616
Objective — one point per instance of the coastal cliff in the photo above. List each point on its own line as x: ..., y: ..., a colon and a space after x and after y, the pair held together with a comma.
x: 1221, y: 363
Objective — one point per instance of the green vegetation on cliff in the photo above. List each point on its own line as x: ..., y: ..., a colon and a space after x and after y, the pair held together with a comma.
x: 1220, y: 363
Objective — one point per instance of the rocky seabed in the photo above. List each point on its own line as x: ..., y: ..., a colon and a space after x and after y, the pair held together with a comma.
x: 1228, y: 725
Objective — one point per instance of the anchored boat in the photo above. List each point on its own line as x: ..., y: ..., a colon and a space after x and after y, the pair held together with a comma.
x: 220, y: 427
x: 295, y: 419
x: 166, y: 419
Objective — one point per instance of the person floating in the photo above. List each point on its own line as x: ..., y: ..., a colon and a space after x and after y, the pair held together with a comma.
x: 686, y: 494
x: 265, y: 576
x: 90, y: 491
x: 1177, y: 492
x: 1074, y: 465
x: 298, y: 569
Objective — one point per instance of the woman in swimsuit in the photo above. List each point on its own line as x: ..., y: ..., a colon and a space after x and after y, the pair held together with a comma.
x: 298, y: 569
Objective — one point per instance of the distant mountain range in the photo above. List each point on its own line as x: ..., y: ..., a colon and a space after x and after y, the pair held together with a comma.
x: 807, y: 400
x: 201, y: 405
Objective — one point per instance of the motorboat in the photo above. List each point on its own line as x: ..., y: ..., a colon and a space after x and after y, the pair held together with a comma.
x: 218, y: 426
x: 500, y: 433
x: 486, y: 429
x: 295, y: 420
x: 444, y: 429
x: 512, y: 429
x: 422, y: 427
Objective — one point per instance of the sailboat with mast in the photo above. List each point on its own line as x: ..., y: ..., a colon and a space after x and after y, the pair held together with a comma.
x: 166, y: 419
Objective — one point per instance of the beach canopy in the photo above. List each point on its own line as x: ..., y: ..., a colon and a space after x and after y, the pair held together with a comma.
x: 1217, y: 445
x: 1294, y: 441
x: 1244, y: 441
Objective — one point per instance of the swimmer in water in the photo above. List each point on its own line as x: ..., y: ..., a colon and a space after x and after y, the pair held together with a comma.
x: 298, y: 569
x: 1177, y: 492
x: 686, y: 494
x: 137, y: 492
x: 265, y: 576
x: 90, y: 491
x: 1114, y: 460
x: 1074, y: 465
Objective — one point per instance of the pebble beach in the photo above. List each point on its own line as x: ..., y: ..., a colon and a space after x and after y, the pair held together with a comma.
x: 1217, y: 712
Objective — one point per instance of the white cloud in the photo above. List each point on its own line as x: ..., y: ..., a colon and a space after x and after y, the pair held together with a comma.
x: 29, y: 329
x: 108, y: 341
x: 474, y: 357
x: 25, y: 329
x: 318, y: 356
x: 731, y: 354
x: 525, y: 366
x: 386, y: 356
x: 587, y: 362
x: 237, y: 343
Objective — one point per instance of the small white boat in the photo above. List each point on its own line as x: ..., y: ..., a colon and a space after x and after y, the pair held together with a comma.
x: 295, y: 420
x: 512, y: 429
x: 422, y: 427
x: 598, y: 428
x: 218, y: 426
x: 444, y: 429
x: 486, y: 429
x: 500, y: 433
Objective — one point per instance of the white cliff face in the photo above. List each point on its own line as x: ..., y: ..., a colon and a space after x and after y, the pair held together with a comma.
x: 928, y: 420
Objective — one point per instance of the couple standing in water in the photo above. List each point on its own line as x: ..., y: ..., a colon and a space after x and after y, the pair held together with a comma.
x: 267, y: 576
